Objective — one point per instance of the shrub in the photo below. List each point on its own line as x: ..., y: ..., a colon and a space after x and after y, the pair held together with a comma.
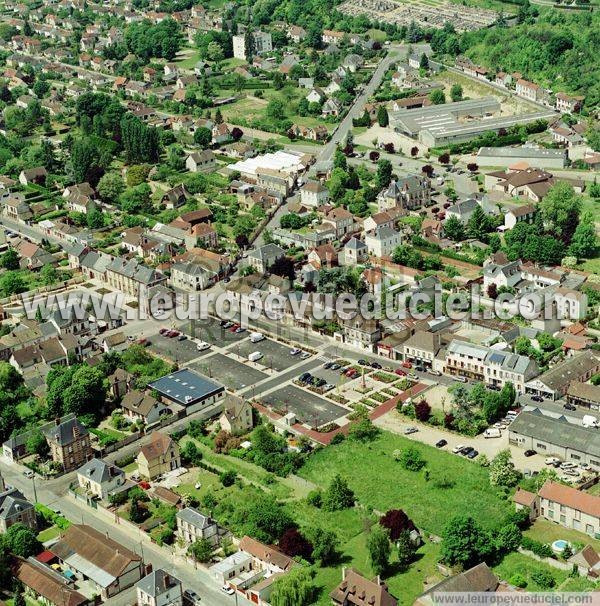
x: 315, y: 498
x: 411, y: 459
x: 228, y: 478
x: 518, y: 580
x: 543, y: 578
x: 338, y: 438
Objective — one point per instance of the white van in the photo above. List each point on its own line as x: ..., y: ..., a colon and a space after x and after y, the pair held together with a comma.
x: 255, y: 356
x: 492, y: 432
x: 589, y: 421
x: 255, y: 337
x: 460, y: 379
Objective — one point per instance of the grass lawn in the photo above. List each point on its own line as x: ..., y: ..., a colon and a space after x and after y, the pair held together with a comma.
x: 592, y: 206
x: 379, y: 482
x: 50, y: 533
x: 595, y: 490
x: 515, y: 563
x: 548, y: 532
x: 189, y: 61
x: 591, y: 265
x: 377, y: 34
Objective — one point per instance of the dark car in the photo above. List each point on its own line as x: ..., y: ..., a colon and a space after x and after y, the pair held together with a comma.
x: 376, y: 365
x: 320, y: 382
x: 537, y: 398
x: 222, y: 323
x: 467, y: 450
x: 441, y: 443
x: 328, y: 365
x: 305, y: 376
x: 182, y: 337
x: 569, y: 406
x: 472, y: 454
x: 363, y: 362
x: 530, y: 452
x: 494, y: 387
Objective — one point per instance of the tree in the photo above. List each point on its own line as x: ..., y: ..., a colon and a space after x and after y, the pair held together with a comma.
x: 228, y: 478
x: 215, y: 52
x: 502, y: 470
x: 363, y: 430
x: 49, y: 275
x: 464, y: 542
x: 560, y: 210
x: 382, y: 116
x: 478, y: 224
x: 411, y: 459
x: 263, y: 518
x: 110, y: 187
x: 437, y: 96
x: 284, y: 267
x: 84, y: 161
x: 422, y: 411
x: 379, y: 548
x: 12, y: 283
x: 22, y: 541
x: 276, y: 109
x: 324, y: 545
x: 203, y: 136
x: 424, y: 62
x: 293, y: 543
x: 383, y: 176
x: 406, y: 549
x: 10, y: 259
x: 140, y: 142
x: 37, y: 444
x: 455, y: 229
x: 456, y: 92
x: 201, y: 550
x: 508, y: 538
x: 396, y: 522
x: 414, y: 151
x: 338, y: 495
x: 584, y: 241
x: 296, y: 588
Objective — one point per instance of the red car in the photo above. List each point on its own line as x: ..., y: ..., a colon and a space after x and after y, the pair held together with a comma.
x: 234, y: 328
x: 351, y: 373
x: 407, y: 364
x: 400, y: 372
x: 145, y: 485
x: 173, y: 333
x: 163, y: 331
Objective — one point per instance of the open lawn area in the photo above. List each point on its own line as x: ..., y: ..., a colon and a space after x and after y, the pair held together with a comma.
x: 381, y: 483
x: 48, y: 534
x: 591, y: 265
x: 548, y: 532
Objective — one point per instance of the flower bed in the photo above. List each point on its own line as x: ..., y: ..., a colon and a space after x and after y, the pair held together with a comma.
x: 384, y: 377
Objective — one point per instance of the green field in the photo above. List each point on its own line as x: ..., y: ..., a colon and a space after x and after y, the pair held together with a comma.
x: 379, y: 482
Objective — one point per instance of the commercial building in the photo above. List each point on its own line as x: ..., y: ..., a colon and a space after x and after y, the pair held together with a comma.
x: 557, y: 437
x: 437, y: 125
x: 535, y: 156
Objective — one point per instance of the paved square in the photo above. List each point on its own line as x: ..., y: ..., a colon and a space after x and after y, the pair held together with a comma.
x: 229, y: 372
x: 309, y: 408
x: 209, y: 330
x: 276, y: 355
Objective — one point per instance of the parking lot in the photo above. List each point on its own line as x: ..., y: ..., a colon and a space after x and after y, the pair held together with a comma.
x: 275, y: 355
x: 177, y: 351
x: 229, y: 372
x: 308, y: 407
x: 209, y: 330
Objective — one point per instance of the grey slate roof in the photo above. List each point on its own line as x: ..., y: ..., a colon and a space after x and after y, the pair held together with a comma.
x: 63, y: 432
x: 355, y: 244
x: 195, y: 518
x: 12, y: 502
x: 157, y: 583
x: 97, y: 470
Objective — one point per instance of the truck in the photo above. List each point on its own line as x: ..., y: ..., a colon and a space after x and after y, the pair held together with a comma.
x: 492, y: 432
x: 255, y: 356
x: 255, y: 337
x: 590, y: 421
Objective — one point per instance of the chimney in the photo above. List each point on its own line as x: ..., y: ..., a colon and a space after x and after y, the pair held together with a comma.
x: 57, y: 421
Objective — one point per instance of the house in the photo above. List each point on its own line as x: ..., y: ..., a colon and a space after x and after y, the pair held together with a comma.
x: 410, y: 192
x: 192, y: 277
x: 159, y: 456
x: 175, y: 197
x: 421, y: 348
x: 462, y: 210
x: 322, y: 256
x: 159, y: 588
x: 382, y: 241
x: 100, y: 479
x: 354, y: 252
x: 361, y: 333
x: 296, y: 33
x: 316, y: 95
x: 587, y: 562
x: 584, y: 394
x: 132, y: 277
x: 237, y: 416
x: 194, y: 526
x: 236, y: 570
x: 47, y: 586
x: 569, y: 507
x: 140, y: 406
x: 266, y: 558
x: 69, y: 442
x: 568, y: 103
x: 33, y: 256
x: 15, y: 509
x: 16, y: 209
x: 356, y: 590
x: 36, y: 176
x: 506, y: 274
x: 382, y: 219
x: 531, y: 91
x: 261, y: 43
x: 331, y: 107
x: 91, y: 555
x: 341, y: 220
x: 524, y: 213
x: 202, y: 161
x: 314, y: 194
x: 476, y: 580
x: 353, y: 62
x: 263, y: 258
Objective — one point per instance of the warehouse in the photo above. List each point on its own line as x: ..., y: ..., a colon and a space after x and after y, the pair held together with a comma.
x: 438, y: 125
x: 555, y: 437
x: 534, y: 156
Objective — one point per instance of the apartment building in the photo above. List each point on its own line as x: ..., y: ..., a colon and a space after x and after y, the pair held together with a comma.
x: 261, y: 42
x: 69, y: 443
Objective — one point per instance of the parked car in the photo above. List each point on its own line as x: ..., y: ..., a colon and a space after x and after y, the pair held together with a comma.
x: 228, y: 590
x: 441, y: 443
x: 304, y: 355
x: 435, y: 373
x: 569, y: 406
x: 202, y: 346
x: 363, y: 362
x: 305, y: 376
x: 406, y: 364
x: 472, y: 454
x: 227, y: 324
x: 163, y: 331
x: 335, y: 367
x: 400, y: 372
x: 320, y: 382
x: 410, y: 430
x: 234, y: 328
x: 376, y: 365
x: 222, y: 323
x: 295, y: 351
x: 173, y: 333
x: 530, y: 452
x: 239, y: 330
x: 537, y: 398
x: 181, y: 337
x: 460, y: 379
x: 28, y: 473
x: 328, y: 365
x: 466, y: 450
x: 458, y: 448
x: 191, y: 596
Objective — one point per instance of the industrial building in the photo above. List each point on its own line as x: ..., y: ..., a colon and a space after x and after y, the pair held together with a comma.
x: 534, y: 156
x: 437, y: 125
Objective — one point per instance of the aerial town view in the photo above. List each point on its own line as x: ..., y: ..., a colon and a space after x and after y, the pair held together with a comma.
x: 299, y: 302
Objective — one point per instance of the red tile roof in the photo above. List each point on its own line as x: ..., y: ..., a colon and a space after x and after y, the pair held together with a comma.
x: 571, y: 497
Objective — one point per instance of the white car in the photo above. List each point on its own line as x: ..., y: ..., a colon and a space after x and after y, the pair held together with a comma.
x: 295, y: 351
x: 552, y: 460
x: 228, y: 590
x: 305, y: 355
x: 28, y: 473
x: 568, y: 465
x: 203, y: 346
x: 458, y: 448
x: 435, y: 373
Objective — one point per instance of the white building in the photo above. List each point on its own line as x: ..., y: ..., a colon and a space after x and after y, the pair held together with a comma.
x: 159, y: 588
x: 314, y: 194
x: 261, y: 41
x: 382, y: 241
